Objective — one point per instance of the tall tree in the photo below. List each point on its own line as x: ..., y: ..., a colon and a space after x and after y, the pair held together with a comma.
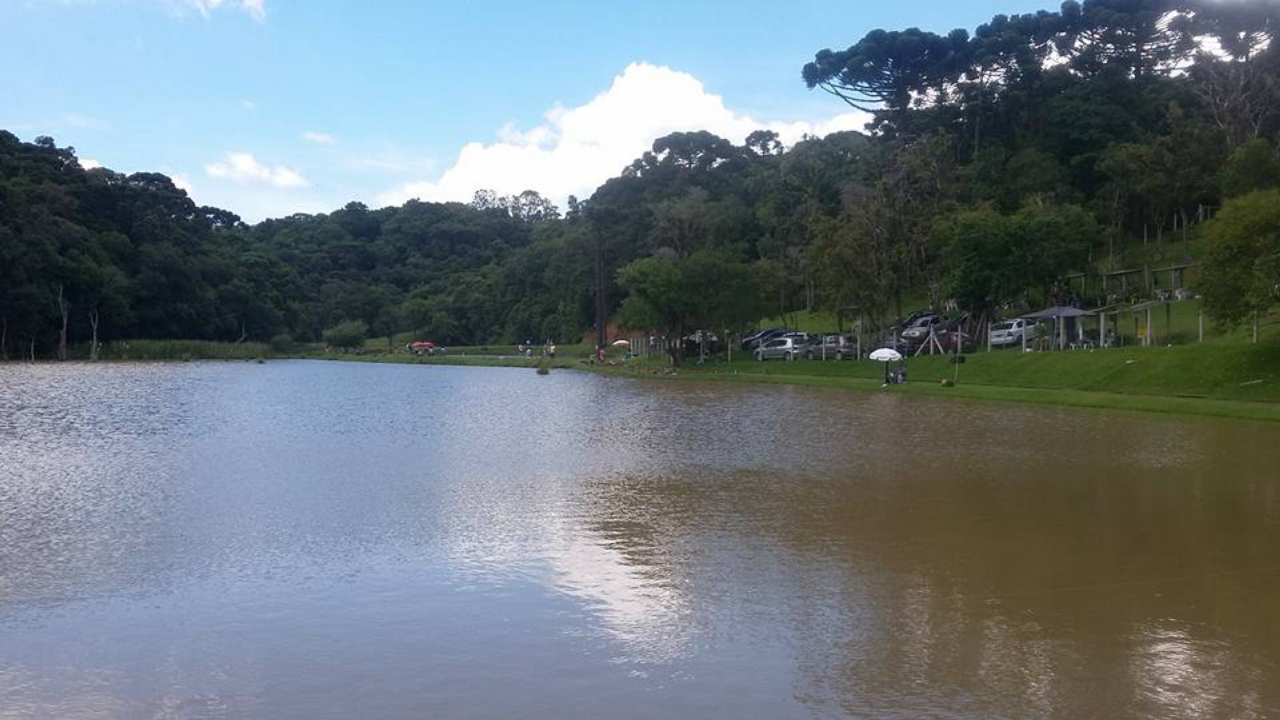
x: 886, y: 71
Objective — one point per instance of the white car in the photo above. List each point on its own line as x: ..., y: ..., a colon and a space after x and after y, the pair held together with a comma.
x: 1011, y: 332
x: 787, y: 348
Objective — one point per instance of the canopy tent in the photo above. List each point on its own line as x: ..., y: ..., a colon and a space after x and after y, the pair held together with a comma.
x: 1059, y: 311
x: 1062, y: 316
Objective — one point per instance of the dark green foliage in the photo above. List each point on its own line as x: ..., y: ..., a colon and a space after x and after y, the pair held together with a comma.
x: 1255, y: 165
x: 1242, y: 270
x: 995, y: 259
x: 348, y: 335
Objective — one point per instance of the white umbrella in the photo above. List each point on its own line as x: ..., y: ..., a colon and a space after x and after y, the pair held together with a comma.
x: 886, y: 355
x: 622, y: 343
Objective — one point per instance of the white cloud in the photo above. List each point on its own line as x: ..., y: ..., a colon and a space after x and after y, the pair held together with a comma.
x: 255, y: 8
x: 578, y: 148
x: 89, y: 163
x: 181, y: 182
x: 243, y: 167
x: 319, y: 138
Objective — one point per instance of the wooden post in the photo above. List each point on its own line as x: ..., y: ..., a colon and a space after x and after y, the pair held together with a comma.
x: 1201, y: 321
x: 1168, y: 321
x: 988, y: 335
x: 1151, y: 335
x: 1255, y: 327
x: 1024, y: 335
x: 1102, y: 329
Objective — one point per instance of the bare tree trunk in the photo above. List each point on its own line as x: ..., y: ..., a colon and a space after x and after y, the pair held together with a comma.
x: 1111, y: 249
x: 93, y: 344
x: 243, y: 334
x: 602, y: 314
x: 63, y: 309
x: 1186, y: 241
x: 33, y: 349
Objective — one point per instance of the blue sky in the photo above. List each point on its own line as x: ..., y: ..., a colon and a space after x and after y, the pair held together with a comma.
x: 267, y: 107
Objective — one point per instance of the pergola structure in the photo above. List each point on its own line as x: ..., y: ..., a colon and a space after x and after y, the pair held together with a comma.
x: 1148, y: 308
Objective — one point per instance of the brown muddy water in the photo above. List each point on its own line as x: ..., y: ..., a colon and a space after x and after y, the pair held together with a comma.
x: 333, y: 540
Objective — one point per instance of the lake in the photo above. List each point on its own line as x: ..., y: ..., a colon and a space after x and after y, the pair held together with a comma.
x: 333, y: 540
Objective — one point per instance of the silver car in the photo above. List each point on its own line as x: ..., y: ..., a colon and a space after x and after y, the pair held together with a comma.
x: 833, y: 347
x: 787, y: 348
x: 918, y: 330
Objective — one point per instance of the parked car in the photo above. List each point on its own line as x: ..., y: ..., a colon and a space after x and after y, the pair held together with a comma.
x: 947, y: 339
x: 782, y: 349
x: 908, y: 320
x: 696, y: 341
x: 917, y: 330
x: 833, y: 347
x: 753, y: 341
x: 1011, y: 332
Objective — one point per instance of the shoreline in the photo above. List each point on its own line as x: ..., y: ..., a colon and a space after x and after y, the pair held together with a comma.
x: 1263, y: 411
x: 842, y: 376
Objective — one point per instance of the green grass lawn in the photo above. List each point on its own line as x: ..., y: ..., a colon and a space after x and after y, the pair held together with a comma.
x: 1236, y: 380
x: 1221, y: 370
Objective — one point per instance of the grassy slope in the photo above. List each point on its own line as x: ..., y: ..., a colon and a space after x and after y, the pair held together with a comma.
x: 1237, y: 380
x: 1224, y: 379
x: 1227, y: 371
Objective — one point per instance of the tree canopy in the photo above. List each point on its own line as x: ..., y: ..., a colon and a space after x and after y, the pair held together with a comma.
x: 1002, y: 160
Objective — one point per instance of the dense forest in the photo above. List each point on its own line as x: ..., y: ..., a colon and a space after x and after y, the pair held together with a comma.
x: 1000, y: 163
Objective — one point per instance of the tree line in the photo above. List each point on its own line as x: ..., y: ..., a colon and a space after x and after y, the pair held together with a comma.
x: 999, y: 162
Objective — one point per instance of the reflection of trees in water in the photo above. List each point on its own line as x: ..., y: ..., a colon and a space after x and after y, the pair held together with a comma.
x: 982, y: 592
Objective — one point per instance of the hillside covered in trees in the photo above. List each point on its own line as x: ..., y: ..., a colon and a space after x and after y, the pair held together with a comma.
x: 1001, y: 162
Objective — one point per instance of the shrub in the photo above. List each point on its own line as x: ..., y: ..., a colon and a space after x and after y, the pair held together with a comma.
x: 283, y: 343
x: 349, y: 335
